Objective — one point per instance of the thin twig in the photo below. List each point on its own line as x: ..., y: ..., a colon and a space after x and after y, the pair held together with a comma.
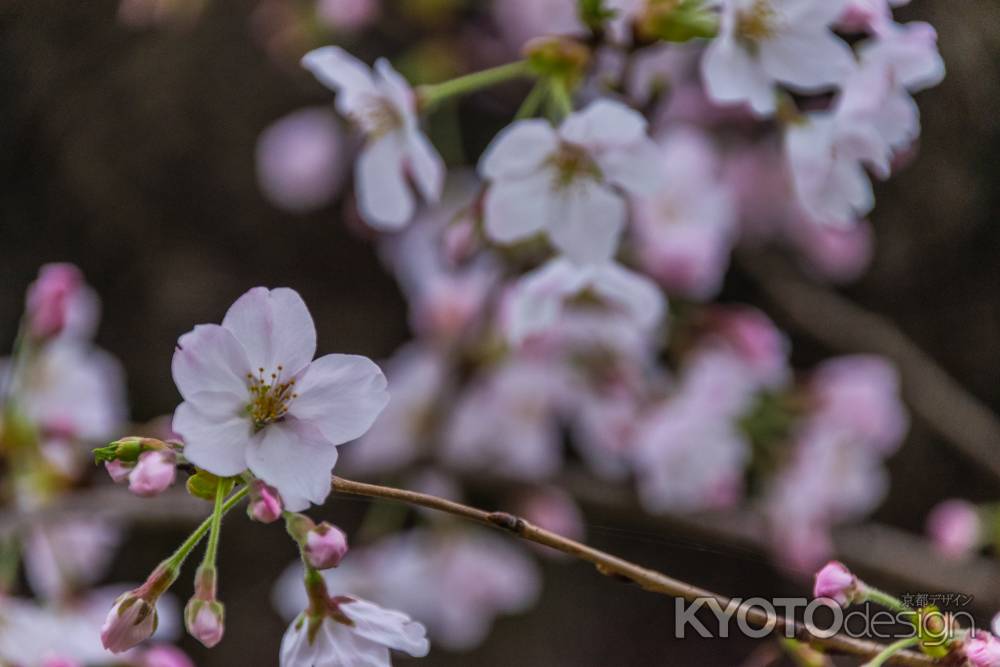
x: 612, y: 566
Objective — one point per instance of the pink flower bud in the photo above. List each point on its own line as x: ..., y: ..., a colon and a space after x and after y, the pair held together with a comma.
x: 836, y: 582
x: 165, y: 655
x: 131, y: 621
x: 954, y: 527
x: 265, y: 503
x: 982, y: 650
x: 118, y: 470
x: 205, y: 621
x: 153, y: 473
x: 347, y: 15
x: 325, y: 546
x: 50, y: 298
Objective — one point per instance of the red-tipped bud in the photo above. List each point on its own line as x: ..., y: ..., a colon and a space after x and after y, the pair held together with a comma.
x: 325, y: 546
x: 205, y: 621
x: 265, y: 503
x: 835, y: 582
x: 132, y: 620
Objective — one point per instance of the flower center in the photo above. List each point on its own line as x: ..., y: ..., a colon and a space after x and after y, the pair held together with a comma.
x: 377, y: 116
x: 758, y: 23
x: 572, y: 162
x: 269, y: 397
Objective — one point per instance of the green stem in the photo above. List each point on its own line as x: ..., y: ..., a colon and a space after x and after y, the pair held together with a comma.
x: 562, y: 103
x: 886, y: 600
x: 184, y: 550
x: 215, y: 527
x: 432, y: 94
x: 891, y: 650
x: 534, y: 100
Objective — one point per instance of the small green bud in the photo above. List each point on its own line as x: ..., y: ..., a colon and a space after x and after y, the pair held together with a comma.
x: 558, y: 58
x: 203, y: 484
x: 127, y: 449
x: 676, y: 21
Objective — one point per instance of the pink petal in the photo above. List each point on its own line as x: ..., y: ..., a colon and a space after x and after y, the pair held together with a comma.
x: 342, y: 395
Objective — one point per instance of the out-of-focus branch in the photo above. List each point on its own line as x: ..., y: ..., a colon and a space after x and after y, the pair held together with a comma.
x: 940, y: 401
x: 612, y: 566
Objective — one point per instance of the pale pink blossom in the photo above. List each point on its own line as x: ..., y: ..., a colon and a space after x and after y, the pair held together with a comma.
x: 66, y: 556
x: 867, y: 15
x: 860, y: 395
x: 300, y: 160
x: 836, y: 582
x: 762, y: 43
x: 205, y: 621
x: 522, y: 20
x: 455, y: 581
x: 552, y: 509
x: 164, y: 655
x: 981, y: 650
x: 955, y: 528
x: 325, y: 546
x: 130, y: 622
x: 255, y: 398
x: 383, y: 105
x: 536, y: 301
x: 567, y: 183
x: 357, y: 633
x: 760, y: 345
x: 909, y: 50
x: 153, y: 473
x: 118, y: 470
x: 995, y: 624
x: 60, y: 302
x: 348, y: 15
x: 265, y: 503
x: 506, y: 423
x: 836, y: 253
x: 685, y: 230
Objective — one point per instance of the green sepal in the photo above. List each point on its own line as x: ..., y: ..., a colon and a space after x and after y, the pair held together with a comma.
x: 203, y: 485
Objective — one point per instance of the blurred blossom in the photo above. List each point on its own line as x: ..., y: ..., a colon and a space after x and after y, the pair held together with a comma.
x: 535, y: 303
x: 65, y: 557
x: 153, y: 473
x: 382, y: 104
x: 455, y: 581
x: 860, y: 394
x: 836, y: 253
x: 836, y: 582
x: 867, y: 15
x: 417, y: 376
x: 566, y: 182
x: 657, y: 68
x: 348, y: 15
x: 755, y: 339
x: 685, y: 230
x: 164, y: 655
x: 759, y: 46
x: 552, y: 509
x: 688, y: 452
x: 300, y: 160
x: 522, y: 20
x: 506, y: 423
x: 955, y: 527
x: 60, y: 302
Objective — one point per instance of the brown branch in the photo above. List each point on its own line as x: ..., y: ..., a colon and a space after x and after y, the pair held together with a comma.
x: 936, y: 397
x: 609, y: 565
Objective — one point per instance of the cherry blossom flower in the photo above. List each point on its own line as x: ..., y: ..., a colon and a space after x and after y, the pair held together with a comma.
x: 456, y: 581
x: 755, y: 339
x: 910, y: 50
x: 836, y: 582
x: 153, y: 473
x: 383, y: 105
x: 536, y: 301
x: 354, y: 632
x: 522, y: 20
x: 65, y: 556
x: 955, y: 527
x: 60, y: 302
x: 254, y: 398
x: 563, y: 182
x: 686, y: 229
x: 982, y: 650
x: 299, y: 160
x: 765, y: 42
x: 868, y: 15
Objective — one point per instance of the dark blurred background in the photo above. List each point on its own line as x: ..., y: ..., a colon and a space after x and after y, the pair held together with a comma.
x: 131, y: 153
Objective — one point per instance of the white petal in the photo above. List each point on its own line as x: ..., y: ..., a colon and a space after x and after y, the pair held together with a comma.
x: 384, y: 198
x: 216, y: 444
x: 731, y: 75
x: 425, y: 166
x: 295, y: 458
x: 395, y: 88
x: 808, y: 61
x: 340, y: 646
x: 275, y: 328
x: 341, y: 394
x: 517, y: 208
x: 811, y: 13
x: 342, y: 72
x: 604, y: 124
x: 537, y: 299
x: 636, y: 294
x: 519, y: 149
x: 637, y: 169
x: 210, y: 365
x: 296, y: 650
x: 389, y: 628
x: 587, y: 222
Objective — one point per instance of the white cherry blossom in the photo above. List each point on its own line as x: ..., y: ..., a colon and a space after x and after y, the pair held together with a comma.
x: 567, y: 182
x: 255, y: 398
x: 382, y: 104
x: 762, y: 43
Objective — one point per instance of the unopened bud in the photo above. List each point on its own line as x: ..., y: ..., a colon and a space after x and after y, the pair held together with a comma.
x: 118, y: 470
x: 205, y: 620
x: 132, y: 620
x: 835, y: 582
x: 128, y: 449
x: 265, y: 503
x: 676, y: 21
x: 325, y: 546
x: 51, y: 299
x: 153, y: 473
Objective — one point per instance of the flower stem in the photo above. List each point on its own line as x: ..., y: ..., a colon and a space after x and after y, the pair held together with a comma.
x: 562, y: 103
x: 891, y: 650
x: 534, y: 100
x: 184, y: 550
x: 431, y: 94
x: 215, y: 527
x: 613, y: 566
x: 885, y: 599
